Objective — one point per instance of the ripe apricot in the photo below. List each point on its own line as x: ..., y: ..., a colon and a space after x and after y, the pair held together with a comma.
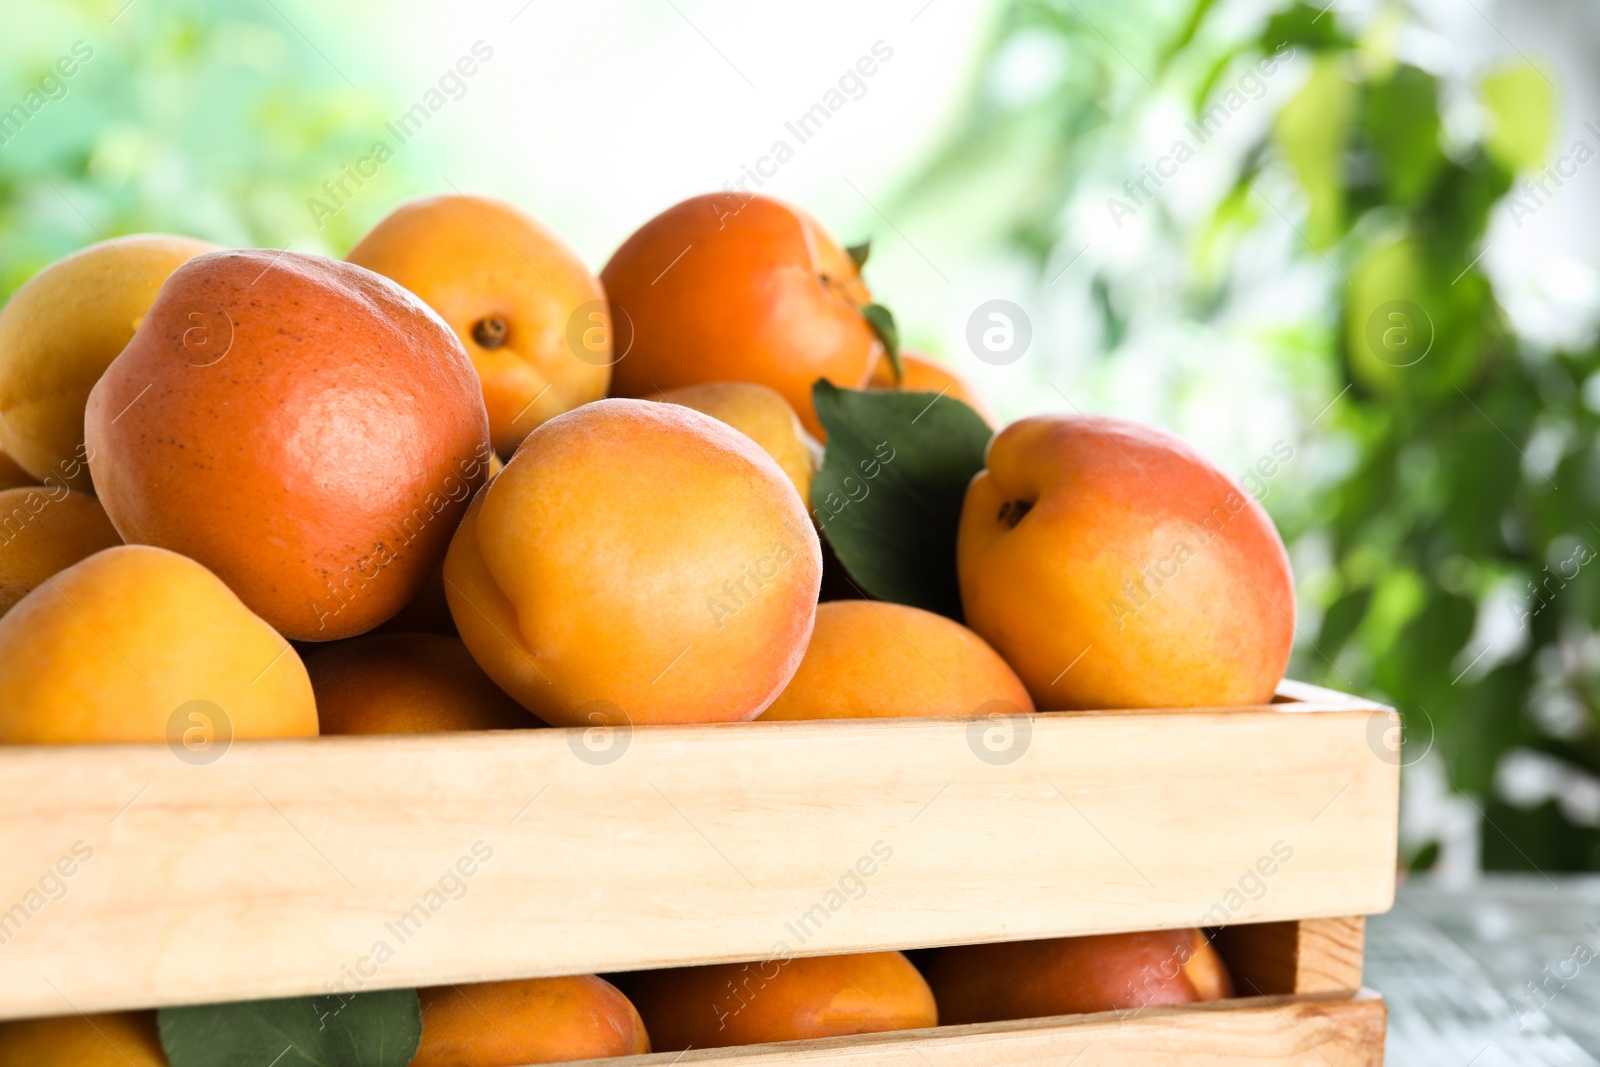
x: 781, y: 1000
x: 536, y: 1020
x: 117, y: 1039
x: 919, y: 374
x: 878, y: 660
x: 1076, y: 975
x: 407, y: 684
x: 530, y: 314
x: 429, y: 612
x: 59, y: 333
x: 1115, y: 567
x: 765, y: 417
x: 133, y: 640
x: 636, y: 562
x: 43, y: 531
x: 729, y: 287
x: 12, y: 475
x: 304, y: 427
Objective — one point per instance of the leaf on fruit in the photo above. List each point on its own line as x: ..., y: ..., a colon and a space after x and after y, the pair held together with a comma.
x: 881, y: 319
x: 381, y: 1029
x: 888, y: 496
x: 858, y: 253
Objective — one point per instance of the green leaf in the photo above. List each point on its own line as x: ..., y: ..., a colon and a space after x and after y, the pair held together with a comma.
x: 1312, y: 128
x: 1312, y: 27
x: 888, y: 496
x: 1402, y: 116
x: 381, y: 1029
x: 858, y: 253
x: 1521, y: 107
x: 882, y: 322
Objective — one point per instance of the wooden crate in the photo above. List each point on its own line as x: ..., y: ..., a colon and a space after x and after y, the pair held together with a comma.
x: 359, y: 863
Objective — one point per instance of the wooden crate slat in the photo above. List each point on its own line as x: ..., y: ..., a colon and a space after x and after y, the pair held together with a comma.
x: 1282, y: 1031
x: 293, y: 867
x: 1308, y: 956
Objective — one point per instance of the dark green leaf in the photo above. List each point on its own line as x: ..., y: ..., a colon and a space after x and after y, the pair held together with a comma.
x: 1403, y: 120
x: 1425, y: 858
x: 1305, y: 26
x: 858, y: 253
x: 888, y: 497
x: 379, y: 1029
x: 882, y: 322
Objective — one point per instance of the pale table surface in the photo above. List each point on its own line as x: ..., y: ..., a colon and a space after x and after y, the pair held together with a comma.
x: 1464, y: 971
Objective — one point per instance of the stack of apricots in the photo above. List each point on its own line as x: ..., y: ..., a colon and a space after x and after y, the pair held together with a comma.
x: 457, y: 481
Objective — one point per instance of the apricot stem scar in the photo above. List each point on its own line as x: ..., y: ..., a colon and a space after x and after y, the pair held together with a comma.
x: 490, y: 332
x: 1012, y: 511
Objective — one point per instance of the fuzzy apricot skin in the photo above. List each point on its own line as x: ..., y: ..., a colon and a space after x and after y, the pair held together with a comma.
x: 871, y: 660
x: 58, y: 334
x: 781, y: 1000
x: 473, y: 258
x: 305, y: 428
x: 536, y: 1020
x: 1076, y: 975
x: 407, y: 684
x: 919, y: 374
x: 43, y: 532
x: 1114, y: 567
x: 762, y: 415
x: 117, y: 1039
x: 636, y: 562
x: 729, y: 287
x: 112, y: 647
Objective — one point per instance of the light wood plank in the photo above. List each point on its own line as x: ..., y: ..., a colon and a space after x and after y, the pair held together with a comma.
x: 1284, y: 1032
x: 1307, y: 956
x: 282, y: 868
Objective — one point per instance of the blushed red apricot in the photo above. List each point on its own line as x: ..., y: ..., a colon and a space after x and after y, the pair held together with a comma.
x: 305, y: 428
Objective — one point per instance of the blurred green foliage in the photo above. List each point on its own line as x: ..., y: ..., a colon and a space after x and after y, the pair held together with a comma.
x: 192, y: 117
x: 1457, y: 533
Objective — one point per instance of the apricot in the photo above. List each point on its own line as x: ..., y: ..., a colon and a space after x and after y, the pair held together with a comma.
x: 305, y: 428
x: 59, y: 333
x: 1076, y: 975
x: 134, y: 639
x: 781, y: 1000
x: 407, y: 684
x: 12, y: 475
x: 1114, y: 567
x: 919, y: 374
x: 729, y: 287
x: 43, y: 531
x: 536, y: 1020
x: 879, y: 660
x: 530, y: 314
x: 429, y: 612
x: 765, y: 417
x: 117, y: 1039
x: 636, y: 562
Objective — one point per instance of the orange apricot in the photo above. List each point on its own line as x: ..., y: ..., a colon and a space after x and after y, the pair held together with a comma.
x: 636, y: 562
x: 535, y: 1020
x: 529, y: 313
x: 1114, y: 567
x: 781, y: 1000
x: 407, y: 684
x: 44, y: 531
x: 115, y: 1039
x: 878, y: 660
x: 730, y: 287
